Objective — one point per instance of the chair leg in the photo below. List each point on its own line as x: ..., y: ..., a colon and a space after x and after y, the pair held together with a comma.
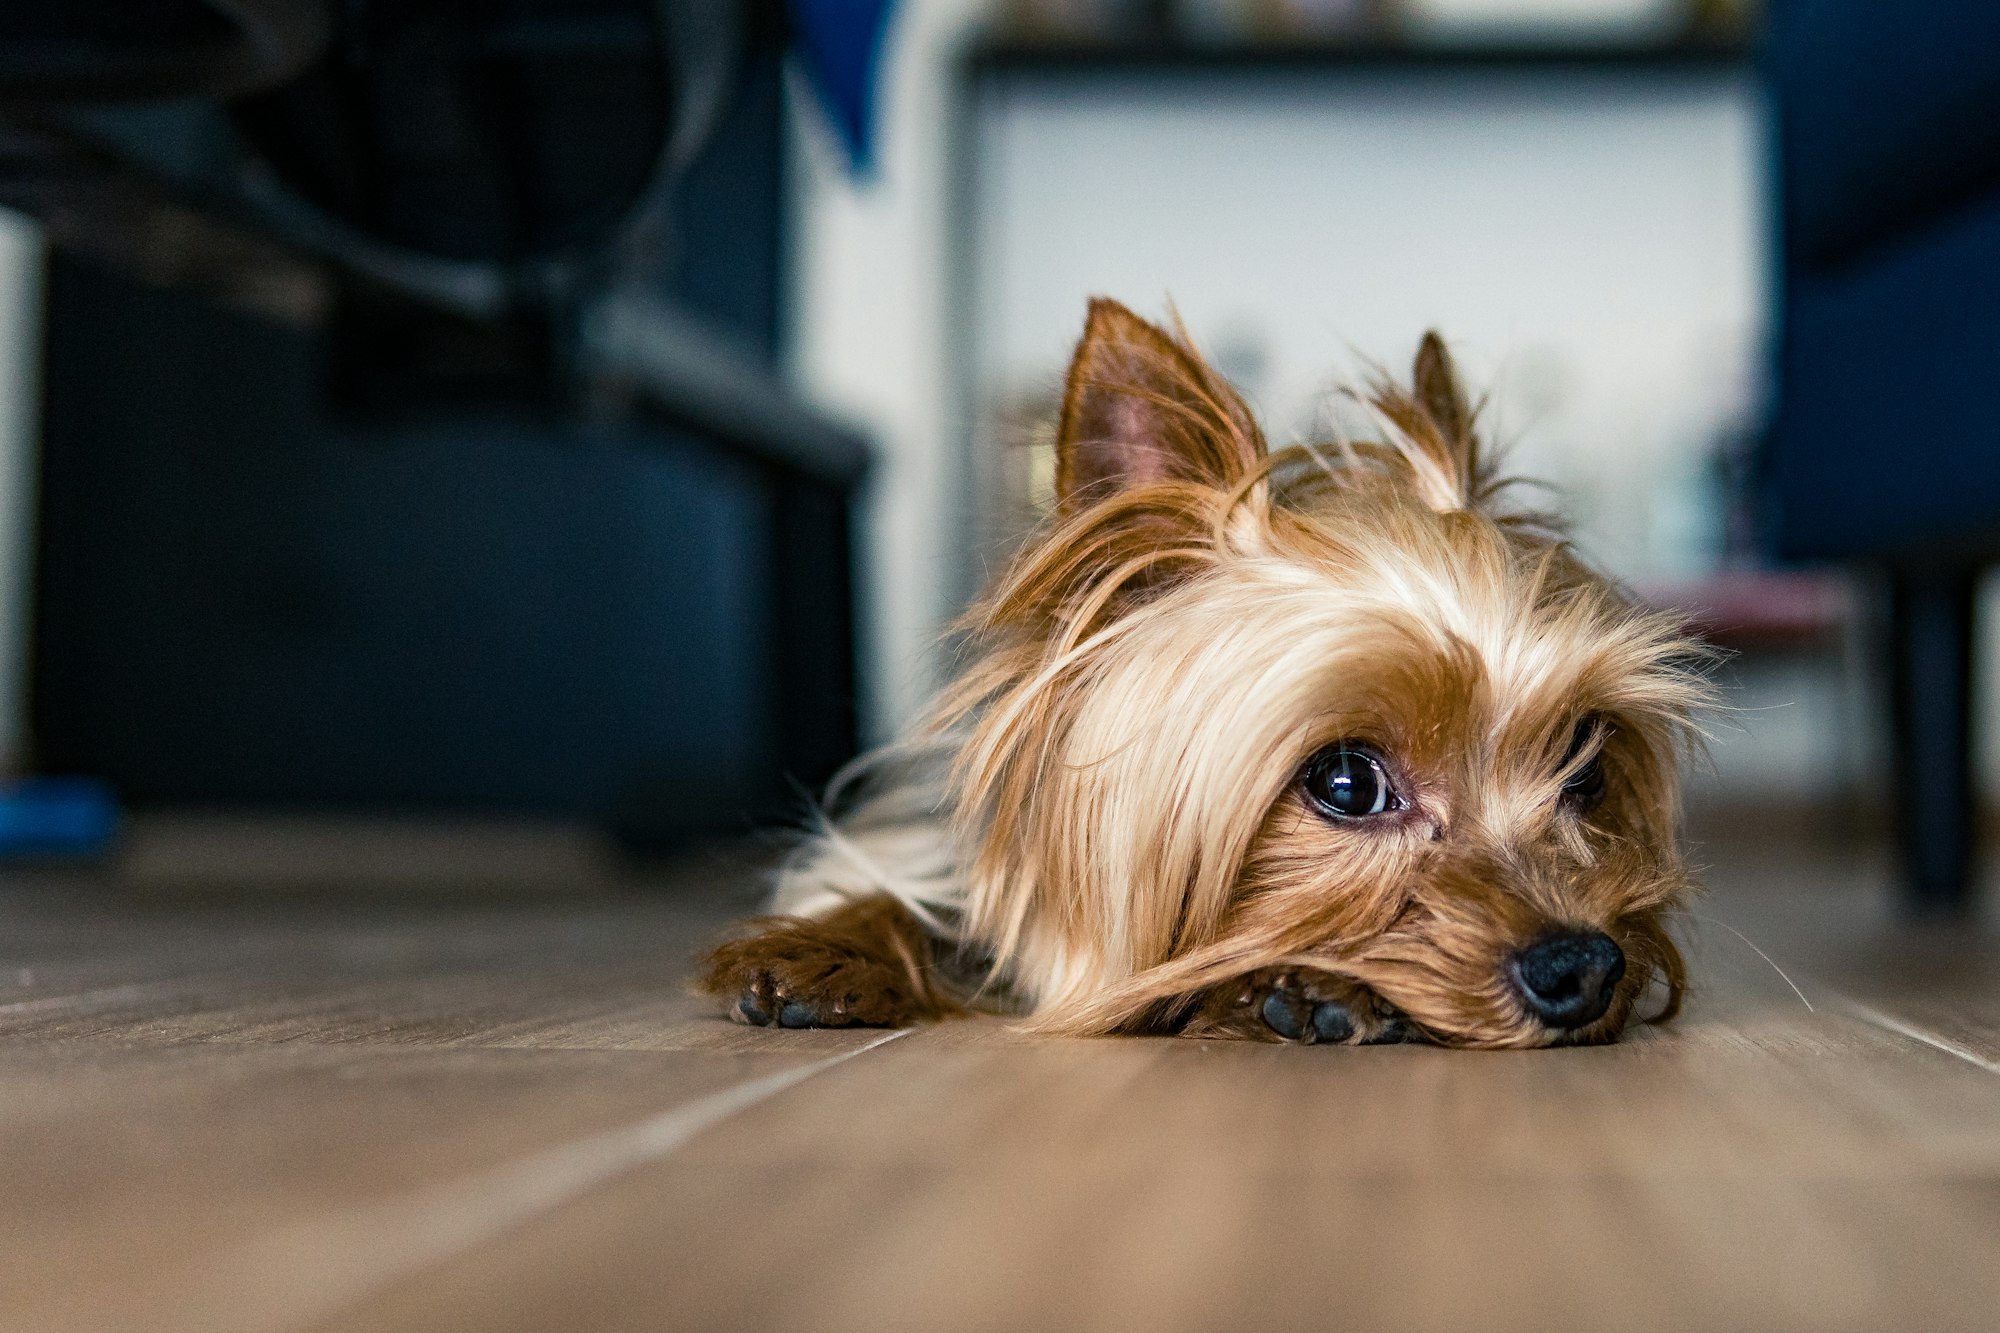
x: 1930, y: 683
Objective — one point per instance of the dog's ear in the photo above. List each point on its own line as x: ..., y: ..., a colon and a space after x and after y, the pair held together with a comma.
x: 1434, y: 430
x: 1438, y: 390
x: 1142, y: 407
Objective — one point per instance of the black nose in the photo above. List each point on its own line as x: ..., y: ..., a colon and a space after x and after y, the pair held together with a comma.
x: 1568, y: 979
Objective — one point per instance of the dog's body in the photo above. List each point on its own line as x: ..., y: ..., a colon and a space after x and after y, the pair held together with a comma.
x: 1327, y: 745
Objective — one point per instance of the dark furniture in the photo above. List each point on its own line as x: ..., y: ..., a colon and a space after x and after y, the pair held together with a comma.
x: 1882, y: 450
x: 413, y: 439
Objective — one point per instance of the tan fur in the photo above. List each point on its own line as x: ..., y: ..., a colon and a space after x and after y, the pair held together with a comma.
x: 1105, y: 806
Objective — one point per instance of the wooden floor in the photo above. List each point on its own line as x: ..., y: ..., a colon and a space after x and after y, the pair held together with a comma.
x: 259, y: 1111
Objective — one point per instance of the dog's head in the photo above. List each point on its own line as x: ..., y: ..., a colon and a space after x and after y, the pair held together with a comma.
x: 1339, y: 706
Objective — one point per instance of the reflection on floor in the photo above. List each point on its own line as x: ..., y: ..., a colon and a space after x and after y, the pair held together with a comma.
x: 264, y: 1112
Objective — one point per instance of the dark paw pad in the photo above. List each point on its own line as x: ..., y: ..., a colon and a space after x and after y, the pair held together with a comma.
x: 1332, y: 1022
x: 1311, y: 1008
x: 765, y: 1004
x: 1283, y: 1016
x: 1292, y: 1015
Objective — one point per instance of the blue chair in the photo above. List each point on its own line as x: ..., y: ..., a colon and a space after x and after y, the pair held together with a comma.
x: 1884, y: 449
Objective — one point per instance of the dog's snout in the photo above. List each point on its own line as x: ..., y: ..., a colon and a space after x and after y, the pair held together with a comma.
x: 1567, y: 980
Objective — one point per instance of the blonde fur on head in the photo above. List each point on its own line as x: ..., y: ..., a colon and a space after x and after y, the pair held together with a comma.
x: 1105, y: 816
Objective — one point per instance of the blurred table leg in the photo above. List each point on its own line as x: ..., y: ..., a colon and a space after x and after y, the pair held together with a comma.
x: 1930, y: 683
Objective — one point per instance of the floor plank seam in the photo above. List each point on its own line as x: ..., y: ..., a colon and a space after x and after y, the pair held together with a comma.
x: 1891, y: 1023
x: 400, y: 1238
x: 126, y: 994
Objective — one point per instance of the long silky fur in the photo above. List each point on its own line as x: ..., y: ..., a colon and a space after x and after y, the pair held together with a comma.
x: 1103, y: 807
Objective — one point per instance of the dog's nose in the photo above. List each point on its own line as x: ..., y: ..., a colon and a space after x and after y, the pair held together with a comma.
x: 1567, y: 979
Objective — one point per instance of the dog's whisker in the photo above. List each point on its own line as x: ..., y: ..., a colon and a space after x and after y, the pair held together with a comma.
x: 1718, y: 921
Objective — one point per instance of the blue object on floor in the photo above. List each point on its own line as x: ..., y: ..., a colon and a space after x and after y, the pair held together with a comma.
x: 57, y: 817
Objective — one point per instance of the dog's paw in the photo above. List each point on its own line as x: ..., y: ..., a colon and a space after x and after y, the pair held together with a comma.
x: 1300, y: 1005
x: 767, y: 1000
x: 791, y: 979
x: 780, y: 994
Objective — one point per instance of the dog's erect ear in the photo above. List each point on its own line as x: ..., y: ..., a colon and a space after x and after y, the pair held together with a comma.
x: 1140, y: 407
x: 1434, y: 430
x: 1436, y: 383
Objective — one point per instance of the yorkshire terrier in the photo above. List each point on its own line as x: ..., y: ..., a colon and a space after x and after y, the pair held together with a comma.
x: 1332, y: 744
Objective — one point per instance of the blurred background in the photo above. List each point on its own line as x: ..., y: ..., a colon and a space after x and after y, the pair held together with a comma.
x: 585, y: 415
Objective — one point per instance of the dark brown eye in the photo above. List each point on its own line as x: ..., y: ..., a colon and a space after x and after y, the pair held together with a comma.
x: 1584, y: 787
x: 1348, y: 781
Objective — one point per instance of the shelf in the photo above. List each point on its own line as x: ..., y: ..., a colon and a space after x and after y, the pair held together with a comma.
x: 1007, y: 53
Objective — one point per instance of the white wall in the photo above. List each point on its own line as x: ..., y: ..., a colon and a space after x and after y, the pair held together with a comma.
x: 869, y: 341
x: 1590, y: 245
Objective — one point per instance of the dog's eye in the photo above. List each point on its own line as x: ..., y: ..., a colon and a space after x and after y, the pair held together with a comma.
x: 1347, y: 782
x: 1584, y: 787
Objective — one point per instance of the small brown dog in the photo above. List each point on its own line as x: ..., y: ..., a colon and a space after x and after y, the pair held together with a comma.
x: 1324, y: 745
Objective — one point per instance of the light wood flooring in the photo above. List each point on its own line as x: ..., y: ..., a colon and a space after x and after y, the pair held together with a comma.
x: 491, y: 1111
